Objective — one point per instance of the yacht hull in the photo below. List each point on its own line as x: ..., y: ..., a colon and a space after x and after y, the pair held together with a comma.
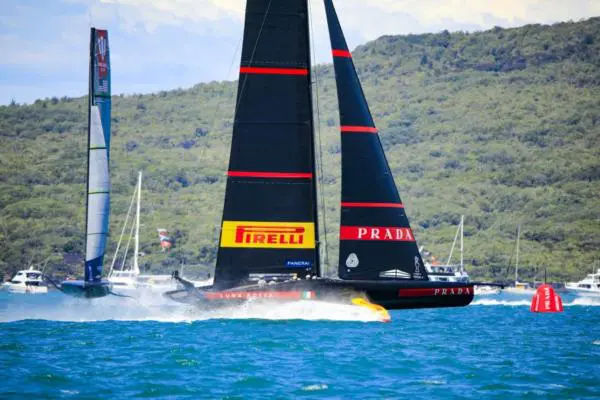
x: 393, y: 295
x: 27, y: 289
x: 88, y: 290
x: 584, y: 292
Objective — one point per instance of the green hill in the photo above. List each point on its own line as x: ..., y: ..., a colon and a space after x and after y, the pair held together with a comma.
x: 502, y: 126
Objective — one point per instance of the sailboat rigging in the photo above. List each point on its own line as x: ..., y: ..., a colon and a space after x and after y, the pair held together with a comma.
x: 98, y: 173
x: 130, y: 278
x: 519, y: 287
x: 269, y: 244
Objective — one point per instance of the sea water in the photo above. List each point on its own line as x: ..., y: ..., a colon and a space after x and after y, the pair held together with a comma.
x: 53, y: 346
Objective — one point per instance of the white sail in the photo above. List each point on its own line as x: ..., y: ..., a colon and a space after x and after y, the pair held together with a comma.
x: 98, y: 208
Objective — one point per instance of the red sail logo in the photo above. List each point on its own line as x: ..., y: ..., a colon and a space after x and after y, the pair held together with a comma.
x: 380, y: 233
x: 102, y: 50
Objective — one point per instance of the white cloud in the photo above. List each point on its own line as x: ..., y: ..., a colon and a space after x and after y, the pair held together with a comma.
x: 399, y: 16
x: 161, y: 44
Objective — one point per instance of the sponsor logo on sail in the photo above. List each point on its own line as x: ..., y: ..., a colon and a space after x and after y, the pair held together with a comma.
x: 102, y: 50
x: 352, y: 261
x: 298, y: 264
x: 274, y: 235
x: 394, y: 273
x: 417, y: 274
x: 386, y: 233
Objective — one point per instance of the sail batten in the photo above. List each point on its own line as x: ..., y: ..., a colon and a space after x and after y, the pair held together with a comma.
x: 98, y: 176
x: 269, y: 217
x: 376, y: 240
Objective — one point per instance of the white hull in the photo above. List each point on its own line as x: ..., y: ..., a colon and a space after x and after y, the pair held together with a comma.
x: 587, y: 293
x: 149, y: 284
x: 589, y: 286
x: 582, y: 291
x: 25, y: 288
x: 518, y: 290
x: 27, y: 281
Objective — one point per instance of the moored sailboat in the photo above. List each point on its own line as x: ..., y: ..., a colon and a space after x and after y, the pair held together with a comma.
x: 269, y: 245
x: 98, y: 177
x: 519, y: 287
x: 129, y: 278
x: 450, y: 272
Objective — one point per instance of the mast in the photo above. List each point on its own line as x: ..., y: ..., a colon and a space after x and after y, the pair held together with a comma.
x: 376, y: 240
x: 136, y: 267
x: 462, y: 235
x: 517, y: 256
x: 317, y: 268
x: 87, y: 270
x: 458, y: 232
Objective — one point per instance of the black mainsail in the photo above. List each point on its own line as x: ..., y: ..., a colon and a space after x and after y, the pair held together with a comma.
x: 376, y: 241
x: 269, y: 219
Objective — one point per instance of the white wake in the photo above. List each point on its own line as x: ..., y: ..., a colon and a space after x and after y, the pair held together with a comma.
x: 567, y: 302
x: 122, y: 309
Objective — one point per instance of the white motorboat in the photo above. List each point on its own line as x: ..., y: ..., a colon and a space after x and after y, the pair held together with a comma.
x: 588, y: 286
x: 27, y: 281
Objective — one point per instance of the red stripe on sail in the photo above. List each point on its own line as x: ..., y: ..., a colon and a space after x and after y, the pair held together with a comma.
x: 377, y: 233
x: 367, y: 129
x: 274, y: 71
x: 430, y: 292
x: 372, y: 205
x: 341, y: 53
x: 253, y: 174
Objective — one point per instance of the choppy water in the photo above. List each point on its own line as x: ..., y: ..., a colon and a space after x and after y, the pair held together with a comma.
x: 52, y: 346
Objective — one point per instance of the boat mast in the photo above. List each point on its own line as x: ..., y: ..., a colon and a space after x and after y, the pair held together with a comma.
x: 462, y: 234
x: 315, y: 210
x: 458, y: 231
x: 136, y: 267
x: 517, y: 257
x: 91, y: 102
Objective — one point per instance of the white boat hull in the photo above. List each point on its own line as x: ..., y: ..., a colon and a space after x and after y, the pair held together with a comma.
x: 582, y: 291
x: 516, y: 290
x: 27, y: 281
x: 26, y: 289
x: 486, y: 290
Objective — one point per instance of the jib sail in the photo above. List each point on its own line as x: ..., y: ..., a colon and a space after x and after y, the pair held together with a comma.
x: 376, y: 241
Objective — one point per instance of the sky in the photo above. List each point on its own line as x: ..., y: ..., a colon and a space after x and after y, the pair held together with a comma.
x: 168, y: 44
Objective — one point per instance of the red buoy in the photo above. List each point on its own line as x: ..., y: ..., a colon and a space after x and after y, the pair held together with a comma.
x: 546, y: 300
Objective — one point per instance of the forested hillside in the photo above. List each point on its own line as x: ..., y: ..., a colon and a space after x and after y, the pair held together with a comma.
x: 502, y: 126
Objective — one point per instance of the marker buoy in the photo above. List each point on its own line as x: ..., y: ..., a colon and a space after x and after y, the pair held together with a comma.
x: 546, y: 300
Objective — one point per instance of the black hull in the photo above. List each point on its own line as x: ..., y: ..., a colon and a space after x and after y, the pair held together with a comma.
x: 392, y: 295
x: 87, y: 290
